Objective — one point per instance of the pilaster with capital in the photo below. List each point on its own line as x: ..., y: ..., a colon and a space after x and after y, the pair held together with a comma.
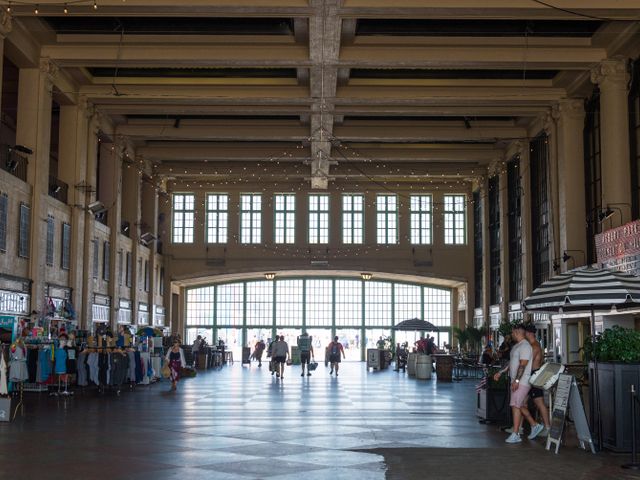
x: 612, y: 77
x: 570, y: 119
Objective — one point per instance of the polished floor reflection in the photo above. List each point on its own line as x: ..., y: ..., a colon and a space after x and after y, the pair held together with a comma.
x: 242, y: 423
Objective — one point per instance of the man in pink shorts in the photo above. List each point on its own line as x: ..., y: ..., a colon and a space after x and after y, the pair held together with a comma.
x: 519, y: 371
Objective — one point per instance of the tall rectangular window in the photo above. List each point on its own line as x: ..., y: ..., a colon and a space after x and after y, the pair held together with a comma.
x: 407, y: 302
x: 353, y: 218
x: 289, y: 302
x: 139, y: 275
x: 514, y: 192
x: 478, y: 266
x: 65, y: 260
x: 455, y: 220
x: 285, y: 218
x: 387, y: 218
x: 592, y: 172
x: 230, y: 305
x: 120, y: 267
x: 147, y: 279
x: 24, y: 230
x: 217, y: 217
x: 129, y: 269
x: 539, y: 157
x: 250, y: 218
x: 259, y: 303
x: 420, y: 219
x: 348, y: 303
x: 201, y: 304
x: 183, y: 217
x: 318, y: 219
x: 437, y: 306
x: 378, y: 306
x: 495, y: 290
x: 106, y: 258
x: 319, y: 302
x: 96, y: 257
x: 4, y: 215
x: 51, y: 226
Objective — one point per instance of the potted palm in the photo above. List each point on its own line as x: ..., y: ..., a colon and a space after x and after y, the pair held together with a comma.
x: 617, y: 351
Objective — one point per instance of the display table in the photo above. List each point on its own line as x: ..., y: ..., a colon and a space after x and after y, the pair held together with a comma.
x: 444, y: 367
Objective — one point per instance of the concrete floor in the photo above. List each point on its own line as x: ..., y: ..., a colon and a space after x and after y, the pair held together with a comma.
x: 242, y: 423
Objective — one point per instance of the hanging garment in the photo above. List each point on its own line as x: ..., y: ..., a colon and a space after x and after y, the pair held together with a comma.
x: 138, y: 367
x: 61, y: 361
x: 32, y: 364
x: 83, y: 371
x: 4, y: 387
x: 94, y: 369
x: 72, y: 361
x: 44, y: 360
x: 131, y: 375
x: 18, y: 370
x: 103, y: 369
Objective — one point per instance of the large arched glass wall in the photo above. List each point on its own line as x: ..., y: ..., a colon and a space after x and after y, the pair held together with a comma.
x: 358, y: 311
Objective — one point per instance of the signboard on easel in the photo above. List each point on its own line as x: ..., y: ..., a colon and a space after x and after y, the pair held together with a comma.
x: 567, y: 399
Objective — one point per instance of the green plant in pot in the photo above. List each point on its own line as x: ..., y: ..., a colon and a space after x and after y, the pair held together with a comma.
x: 462, y: 336
x: 615, y: 344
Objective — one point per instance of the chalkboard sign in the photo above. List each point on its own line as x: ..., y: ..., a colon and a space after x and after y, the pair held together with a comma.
x: 568, y: 397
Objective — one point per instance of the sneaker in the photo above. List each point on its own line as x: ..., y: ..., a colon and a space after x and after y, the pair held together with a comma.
x: 545, y: 432
x: 510, y: 430
x: 302, y: 374
x: 513, y: 438
x: 278, y: 375
x: 535, y: 431
x: 331, y: 372
x: 308, y: 374
x: 336, y: 374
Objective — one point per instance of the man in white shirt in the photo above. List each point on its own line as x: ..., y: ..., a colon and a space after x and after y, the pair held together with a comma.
x: 280, y: 355
x: 519, y: 371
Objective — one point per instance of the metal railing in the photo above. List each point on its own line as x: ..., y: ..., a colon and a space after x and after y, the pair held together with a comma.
x: 13, y: 162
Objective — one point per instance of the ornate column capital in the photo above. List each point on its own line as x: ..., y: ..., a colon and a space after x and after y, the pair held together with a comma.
x: 549, y: 122
x: 568, y: 108
x: 6, y: 23
x: 612, y: 71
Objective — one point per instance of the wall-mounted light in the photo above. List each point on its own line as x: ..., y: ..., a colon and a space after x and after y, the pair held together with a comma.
x: 366, y: 276
x: 270, y: 276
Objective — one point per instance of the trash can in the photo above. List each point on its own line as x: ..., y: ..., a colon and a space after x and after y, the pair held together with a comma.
x: 444, y: 367
x: 373, y: 359
x: 423, y: 367
x: 246, y: 355
x: 411, y: 364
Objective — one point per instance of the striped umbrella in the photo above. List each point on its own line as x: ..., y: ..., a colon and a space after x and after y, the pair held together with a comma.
x: 584, y: 290
x: 587, y: 290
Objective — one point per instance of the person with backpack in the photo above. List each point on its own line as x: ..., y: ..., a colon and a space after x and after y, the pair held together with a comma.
x: 306, y: 352
x: 335, y: 348
x: 272, y: 365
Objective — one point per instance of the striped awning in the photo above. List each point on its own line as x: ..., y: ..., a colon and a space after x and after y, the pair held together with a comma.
x: 584, y: 290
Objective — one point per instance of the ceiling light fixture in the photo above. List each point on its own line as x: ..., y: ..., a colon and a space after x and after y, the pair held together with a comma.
x: 35, y: 10
x: 366, y: 276
x: 66, y: 10
x: 95, y: 5
x: 270, y: 276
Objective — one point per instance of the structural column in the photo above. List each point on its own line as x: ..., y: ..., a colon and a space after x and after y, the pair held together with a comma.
x: 34, y: 131
x: 74, y: 125
x: 5, y: 29
x: 570, y: 114
x: 527, y: 241
x: 131, y: 212
x: 612, y: 78
x: 89, y: 190
x: 486, y: 249
x: 549, y: 126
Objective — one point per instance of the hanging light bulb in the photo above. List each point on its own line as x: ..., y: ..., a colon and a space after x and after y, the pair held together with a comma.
x: 35, y: 10
x: 9, y: 7
x: 95, y: 5
x: 66, y: 10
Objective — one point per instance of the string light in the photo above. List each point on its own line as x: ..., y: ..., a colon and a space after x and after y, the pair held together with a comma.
x: 9, y: 7
x: 66, y: 10
x: 35, y: 10
x: 95, y: 5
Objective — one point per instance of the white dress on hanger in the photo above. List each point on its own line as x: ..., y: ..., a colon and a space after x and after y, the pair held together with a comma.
x: 4, y: 388
x: 18, y: 371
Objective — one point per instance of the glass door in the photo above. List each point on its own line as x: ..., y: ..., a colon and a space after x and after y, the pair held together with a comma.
x: 232, y: 338
x: 320, y: 338
x: 351, y: 341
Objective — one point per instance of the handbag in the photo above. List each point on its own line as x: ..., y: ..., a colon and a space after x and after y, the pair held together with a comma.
x: 166, y: 371
x: 313, y: 366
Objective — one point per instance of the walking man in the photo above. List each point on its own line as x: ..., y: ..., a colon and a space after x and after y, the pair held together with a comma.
x: 280, y: 355
x: 335, y: 348
x: 306, y: 352
x: 519, y: 371
x: 537, y: 394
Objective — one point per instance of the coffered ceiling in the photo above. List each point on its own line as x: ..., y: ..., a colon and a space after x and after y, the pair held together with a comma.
x: 441, y: 84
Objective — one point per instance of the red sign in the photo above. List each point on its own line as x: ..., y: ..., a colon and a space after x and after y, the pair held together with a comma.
x: 618, y: 242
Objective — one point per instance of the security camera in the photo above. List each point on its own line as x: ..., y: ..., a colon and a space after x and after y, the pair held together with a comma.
x: 96, y: 207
